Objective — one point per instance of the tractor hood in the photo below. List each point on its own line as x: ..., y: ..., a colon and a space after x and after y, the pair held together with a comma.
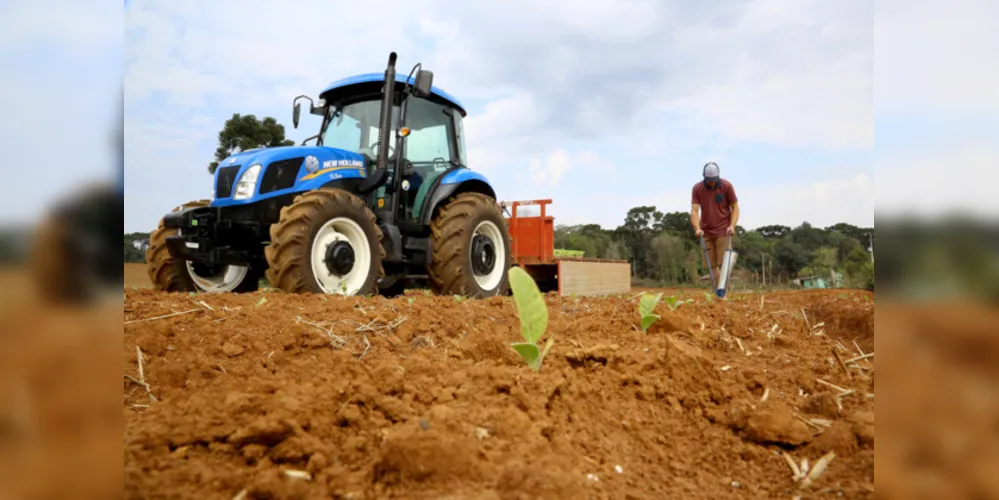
x: 283, y: 170
x: 325, y: 157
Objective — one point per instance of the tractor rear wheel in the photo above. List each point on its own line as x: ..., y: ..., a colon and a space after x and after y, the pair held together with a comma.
x: 326, y: 241
x: 170, y: 274
x: 471, y: 248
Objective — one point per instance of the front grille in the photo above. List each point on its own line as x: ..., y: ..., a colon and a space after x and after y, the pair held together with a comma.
x: 280, y: 175
x: 224, y: 181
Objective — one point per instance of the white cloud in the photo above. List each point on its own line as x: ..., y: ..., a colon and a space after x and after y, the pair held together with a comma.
x: 553, y: 169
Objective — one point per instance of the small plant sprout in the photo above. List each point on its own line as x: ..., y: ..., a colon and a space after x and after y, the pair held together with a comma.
x: 672, y: 303
x: 646, y: 309
x: 533, y: 316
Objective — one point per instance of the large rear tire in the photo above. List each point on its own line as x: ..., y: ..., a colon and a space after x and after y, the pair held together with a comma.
x: 169, y: 274
x: 471, y: 248
x: 326, y: 241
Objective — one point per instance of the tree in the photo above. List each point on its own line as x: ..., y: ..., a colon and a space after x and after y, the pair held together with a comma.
x: 245, y: 132
x: 791, y: 256
x: 753, y: 248
x: 639, y: 225
x: 859, y: 269
x: 669, y: 253
x: 822, y: 263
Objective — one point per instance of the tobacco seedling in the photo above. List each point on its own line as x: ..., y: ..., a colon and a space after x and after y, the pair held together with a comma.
x: 671, y: 302
x: 674, y: 302
x: 646, y: 308
x: 533, y: 316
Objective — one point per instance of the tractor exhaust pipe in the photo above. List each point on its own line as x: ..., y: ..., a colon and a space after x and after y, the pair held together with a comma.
x: 378, y: 177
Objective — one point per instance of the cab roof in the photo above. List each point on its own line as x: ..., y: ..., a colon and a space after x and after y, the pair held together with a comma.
x: 372, y: 83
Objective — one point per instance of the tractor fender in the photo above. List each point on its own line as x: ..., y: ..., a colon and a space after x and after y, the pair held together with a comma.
x: 452, y: 183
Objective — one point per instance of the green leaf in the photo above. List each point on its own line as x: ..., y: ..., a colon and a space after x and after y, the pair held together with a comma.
x: 544, y: 353
x: 528, y: 352
x: 262, y: 301
x: 648, y: 320
x: 672, y: 303
x: 410, y: 301
x: 530, y: 305
x: 647, y: 304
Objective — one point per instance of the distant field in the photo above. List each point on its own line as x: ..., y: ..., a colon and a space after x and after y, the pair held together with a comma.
x: 135, y: 276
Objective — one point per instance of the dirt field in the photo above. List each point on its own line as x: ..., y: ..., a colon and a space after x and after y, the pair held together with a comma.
x: 136, y: 277
x: 269, y: 395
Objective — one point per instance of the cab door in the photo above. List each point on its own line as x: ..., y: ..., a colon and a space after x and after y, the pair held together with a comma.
x: 431, y: 148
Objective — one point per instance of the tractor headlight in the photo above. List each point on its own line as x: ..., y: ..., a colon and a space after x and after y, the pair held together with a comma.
x: 247, y: 183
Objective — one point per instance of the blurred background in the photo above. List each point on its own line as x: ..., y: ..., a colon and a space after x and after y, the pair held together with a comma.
x: 936, y: 123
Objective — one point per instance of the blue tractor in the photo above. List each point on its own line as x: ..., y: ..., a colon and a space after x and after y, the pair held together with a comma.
x: 383, y: 197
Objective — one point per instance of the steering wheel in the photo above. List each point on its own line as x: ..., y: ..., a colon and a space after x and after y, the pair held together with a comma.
x: 374, y: 149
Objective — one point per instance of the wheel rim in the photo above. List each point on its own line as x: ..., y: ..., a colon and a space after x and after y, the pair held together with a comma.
x: 487, y: 255
x: 341, y: 257
x: 224, y: 279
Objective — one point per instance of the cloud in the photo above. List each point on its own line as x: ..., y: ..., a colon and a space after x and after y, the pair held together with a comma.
x: 793, y: 74
x: 553, y: 169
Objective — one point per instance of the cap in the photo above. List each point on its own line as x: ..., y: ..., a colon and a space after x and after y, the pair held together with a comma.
x: 711, y: 171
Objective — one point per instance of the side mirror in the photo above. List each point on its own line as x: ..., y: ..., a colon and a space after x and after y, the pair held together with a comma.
x: 296, y: 112
x: 424, y: 80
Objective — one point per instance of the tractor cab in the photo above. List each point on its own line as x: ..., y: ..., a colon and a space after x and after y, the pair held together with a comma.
x: 425, y: 137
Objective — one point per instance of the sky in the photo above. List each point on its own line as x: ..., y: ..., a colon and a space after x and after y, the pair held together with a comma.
x: 601, y: 106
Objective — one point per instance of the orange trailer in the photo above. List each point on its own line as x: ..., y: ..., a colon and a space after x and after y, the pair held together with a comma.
x: 533, y: 249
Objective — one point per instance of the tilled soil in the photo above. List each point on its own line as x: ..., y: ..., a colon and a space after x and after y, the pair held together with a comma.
x: 269, y: 395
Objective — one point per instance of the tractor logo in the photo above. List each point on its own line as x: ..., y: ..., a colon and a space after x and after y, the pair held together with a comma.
x: 311, y: 163
x: 232, y: 160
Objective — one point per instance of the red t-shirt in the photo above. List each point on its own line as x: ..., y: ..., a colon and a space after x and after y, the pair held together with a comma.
x: 716, y: 207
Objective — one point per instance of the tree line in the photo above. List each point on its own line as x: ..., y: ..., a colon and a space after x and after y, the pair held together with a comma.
x: 663, y: 250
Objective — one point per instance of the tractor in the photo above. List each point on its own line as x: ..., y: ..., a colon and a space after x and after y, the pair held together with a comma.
x: 384, y: 197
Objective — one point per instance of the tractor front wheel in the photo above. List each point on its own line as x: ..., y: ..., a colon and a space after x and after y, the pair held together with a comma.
x: 327, y: 241
x: 170, y: 274
x: 471, y: 248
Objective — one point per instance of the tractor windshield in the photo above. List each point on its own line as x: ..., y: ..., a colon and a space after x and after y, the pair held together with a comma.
x: 354, y: 127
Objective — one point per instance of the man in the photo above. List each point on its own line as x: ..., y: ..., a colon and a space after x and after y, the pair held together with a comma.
x: 714, y: 213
